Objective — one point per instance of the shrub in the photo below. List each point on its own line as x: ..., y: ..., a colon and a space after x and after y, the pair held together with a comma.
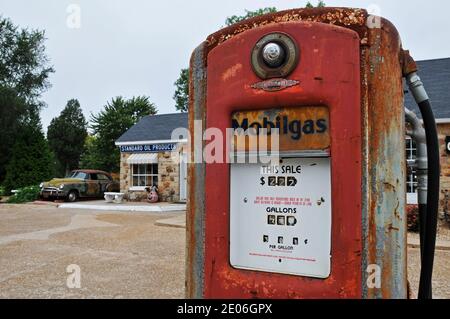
x: 412, y: 212
x: 2, y: 191
x: 25, y: 195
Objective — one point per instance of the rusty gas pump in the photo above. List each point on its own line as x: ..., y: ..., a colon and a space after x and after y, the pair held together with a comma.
x: 328, y: 219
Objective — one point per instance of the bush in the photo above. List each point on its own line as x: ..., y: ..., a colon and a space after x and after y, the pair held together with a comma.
x: 25, y: 195
x: 412, y: 212
x: 2, y: 191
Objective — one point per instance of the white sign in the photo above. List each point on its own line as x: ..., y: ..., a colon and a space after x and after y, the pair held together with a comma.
x: 280, y: 218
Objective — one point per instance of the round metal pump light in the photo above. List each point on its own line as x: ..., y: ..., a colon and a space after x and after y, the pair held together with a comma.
x: 275, y: 55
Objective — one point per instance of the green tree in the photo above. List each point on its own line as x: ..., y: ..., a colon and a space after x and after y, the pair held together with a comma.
x: 12, y: 110
x: 118, y: 116
x: 320, y: 4
x: 181, y: 95
x: 23, y: 62
x: 24, y: 73
x: 31, y: 160
x: 91, y: 157
x: 248, y: 15
x: 66, y: 135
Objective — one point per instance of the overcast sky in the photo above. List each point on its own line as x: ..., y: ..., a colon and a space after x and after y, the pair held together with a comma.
x: 137, y: 47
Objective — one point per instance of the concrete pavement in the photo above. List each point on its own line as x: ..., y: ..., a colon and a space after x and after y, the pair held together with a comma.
x: 124, y: 207
x: 121, y: 255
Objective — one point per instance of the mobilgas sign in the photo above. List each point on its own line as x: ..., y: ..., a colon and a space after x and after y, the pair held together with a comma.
x: 152, y: 148
x: 294, y: 128
x: 300, y: 128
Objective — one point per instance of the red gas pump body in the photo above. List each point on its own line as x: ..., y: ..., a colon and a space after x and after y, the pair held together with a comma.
x: 328, y: 73
x: 332, y: 44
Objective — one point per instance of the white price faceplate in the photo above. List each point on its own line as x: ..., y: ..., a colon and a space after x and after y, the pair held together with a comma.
x: 280, y: 218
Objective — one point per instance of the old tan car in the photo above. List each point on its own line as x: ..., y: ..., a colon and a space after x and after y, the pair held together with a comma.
x: 79, y: 184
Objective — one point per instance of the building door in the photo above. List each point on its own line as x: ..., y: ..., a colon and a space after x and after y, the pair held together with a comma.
x: 183, y: 177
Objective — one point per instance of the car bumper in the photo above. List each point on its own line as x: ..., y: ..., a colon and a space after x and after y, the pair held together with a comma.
x: 52, y: 193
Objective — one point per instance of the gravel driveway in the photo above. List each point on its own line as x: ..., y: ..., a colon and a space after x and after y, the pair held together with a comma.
x: 120, y: 255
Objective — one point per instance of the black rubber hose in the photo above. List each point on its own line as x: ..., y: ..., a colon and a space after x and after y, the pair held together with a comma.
x: 434, y: 172
x: 422, y: 227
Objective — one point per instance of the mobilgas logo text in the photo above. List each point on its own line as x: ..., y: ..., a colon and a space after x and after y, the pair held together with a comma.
x: 295, y: 128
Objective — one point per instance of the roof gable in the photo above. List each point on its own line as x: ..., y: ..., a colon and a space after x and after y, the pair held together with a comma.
x: 155, y: 128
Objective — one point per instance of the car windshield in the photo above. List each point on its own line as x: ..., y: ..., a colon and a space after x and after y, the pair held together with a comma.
x: 79, y: 175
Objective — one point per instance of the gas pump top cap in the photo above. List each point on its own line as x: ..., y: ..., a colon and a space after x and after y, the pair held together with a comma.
x: 273, y: 54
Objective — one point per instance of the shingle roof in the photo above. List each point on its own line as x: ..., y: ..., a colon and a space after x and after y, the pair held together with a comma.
x: 155, y: 128
x: 435, y: 75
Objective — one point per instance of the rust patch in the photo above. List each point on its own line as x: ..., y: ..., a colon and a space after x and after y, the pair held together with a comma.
x: 391, y: 228
x: 194, y: 212
x: 389, y: 187
x: 346, y: 17
x: 409, y: 65
x: 230, y: 280
x: 382, y: 72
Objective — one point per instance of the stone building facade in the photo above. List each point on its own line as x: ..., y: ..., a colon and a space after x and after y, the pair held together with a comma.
x: 151, y: 156
x: 444, y: 133
x: 168, y: 177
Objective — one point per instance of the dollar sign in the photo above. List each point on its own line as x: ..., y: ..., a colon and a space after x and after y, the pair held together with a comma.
x: 263, y: 182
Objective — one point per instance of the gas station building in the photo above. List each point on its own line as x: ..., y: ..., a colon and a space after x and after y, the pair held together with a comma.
x: 150, y: 157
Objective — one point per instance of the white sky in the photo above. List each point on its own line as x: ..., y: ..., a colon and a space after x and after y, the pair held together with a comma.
x: 137, y: 47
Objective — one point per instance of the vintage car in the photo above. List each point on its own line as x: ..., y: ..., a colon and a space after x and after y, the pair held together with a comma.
x: 79, y: 184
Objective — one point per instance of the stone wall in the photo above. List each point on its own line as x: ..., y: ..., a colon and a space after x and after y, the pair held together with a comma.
x: 168, y: 178
x: 169, y: 173
x: 444, y: 130
x: 125, y: 173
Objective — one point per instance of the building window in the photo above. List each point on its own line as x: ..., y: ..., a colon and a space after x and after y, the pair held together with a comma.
x: 411, y: 180
x: 145, y: 175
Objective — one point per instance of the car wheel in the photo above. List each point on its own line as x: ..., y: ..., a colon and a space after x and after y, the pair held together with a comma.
x: 72, y: 197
